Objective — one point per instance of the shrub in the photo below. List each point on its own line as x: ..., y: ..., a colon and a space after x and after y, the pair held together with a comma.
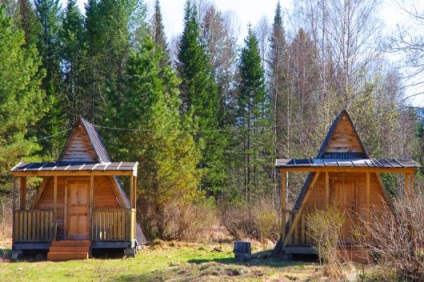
x: 258, y: 220
x: 177, y: 221
x: 396, y: 241
x: 6, y: 219
x: 324, y: 229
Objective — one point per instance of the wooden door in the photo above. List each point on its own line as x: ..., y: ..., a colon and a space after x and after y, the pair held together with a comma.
x: 344, y: 196
x: 77, y: 209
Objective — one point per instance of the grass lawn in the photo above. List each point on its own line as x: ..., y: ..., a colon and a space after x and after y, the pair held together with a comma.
x: 164, y: 262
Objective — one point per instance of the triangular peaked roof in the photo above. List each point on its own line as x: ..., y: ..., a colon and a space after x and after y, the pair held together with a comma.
x: 341, y: 129
x: 84, y: 145
x: 342, y: 141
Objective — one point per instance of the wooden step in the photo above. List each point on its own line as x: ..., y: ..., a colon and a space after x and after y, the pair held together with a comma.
x: 60, y: 256
x: 69, y: 249
x: 71, y: 243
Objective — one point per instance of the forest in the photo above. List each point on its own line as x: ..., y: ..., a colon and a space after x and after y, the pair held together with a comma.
x: 205, y: 114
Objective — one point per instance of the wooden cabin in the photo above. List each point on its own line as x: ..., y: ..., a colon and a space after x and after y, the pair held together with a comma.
x: 80, y: 204
x: 343, y: 175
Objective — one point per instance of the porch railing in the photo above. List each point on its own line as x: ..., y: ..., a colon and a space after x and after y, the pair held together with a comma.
x: 33, y: 226
x: 113, y: 225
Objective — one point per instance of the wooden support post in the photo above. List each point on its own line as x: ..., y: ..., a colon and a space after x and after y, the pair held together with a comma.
x: 22, y: 198
x: 303, y: 225
x: 411, y: 186
x: 299, y: 212
x: 407, y: 184
x: 327, y: 189
x: 14, y: 207
x: 283, y: 205
x: 55, y: 208
x: 91, y: 206
x: 368, y: 179
x: 132, y: 192
x: 135, y: 191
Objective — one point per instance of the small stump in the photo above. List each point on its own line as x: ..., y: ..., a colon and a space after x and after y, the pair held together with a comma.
x: 242, y: 251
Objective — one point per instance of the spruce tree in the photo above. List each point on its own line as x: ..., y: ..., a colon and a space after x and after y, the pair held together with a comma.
x: 108, y: 25
x: 253, y: 119
x: 28, y: 21
x: 200, y: 98
x: 49, y: 16
x: 160, y: 141
x: 21, y: 98
x: 277, y: 66
x: 74, y: 62
x: 158, y: 34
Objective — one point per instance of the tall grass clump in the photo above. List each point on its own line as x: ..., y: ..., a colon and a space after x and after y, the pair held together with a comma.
x: 324, y: 229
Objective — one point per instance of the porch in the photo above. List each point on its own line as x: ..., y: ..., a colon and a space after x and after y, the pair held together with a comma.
x: 109, y: 228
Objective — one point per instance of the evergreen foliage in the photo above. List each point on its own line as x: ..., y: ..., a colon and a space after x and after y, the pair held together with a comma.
x: 161, y: 142
x: 74, y: 61
x: 253, y: 119
x: 108, y: 39
x: 28, y: 21
x: 49, y: 17
x: 158, y: 34
x: 21, y: 98
x: 200, y: 99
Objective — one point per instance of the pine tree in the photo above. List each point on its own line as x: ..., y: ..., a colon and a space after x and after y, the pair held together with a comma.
x: 74, y: 62
x: 49, y: 16
x: 167, y: 153
x: 253, y: 119
x: 21, y: 99
x: 199, y: 98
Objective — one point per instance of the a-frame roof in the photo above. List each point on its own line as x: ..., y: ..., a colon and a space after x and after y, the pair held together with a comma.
x: 83, y: 152
x: 84, y: 145
x: 342, y: 148
x: 342, y: 141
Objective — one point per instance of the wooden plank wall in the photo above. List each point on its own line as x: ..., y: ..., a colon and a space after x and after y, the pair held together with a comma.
x: 344, y: 139
x: 317, y: 200
x: 104, y: 197
x: 79, y: 147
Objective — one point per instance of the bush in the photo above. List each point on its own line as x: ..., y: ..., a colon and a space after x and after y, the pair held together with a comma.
x: 177, y: 221
x: 324, y: 228
x: 258, y: 220
x: 6, y: 219
x: 396, y: 241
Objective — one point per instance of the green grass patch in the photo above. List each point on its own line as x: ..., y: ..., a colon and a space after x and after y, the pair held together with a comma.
x: 181, y: 262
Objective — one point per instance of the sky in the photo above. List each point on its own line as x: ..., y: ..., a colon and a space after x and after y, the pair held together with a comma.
x: 252, y: 11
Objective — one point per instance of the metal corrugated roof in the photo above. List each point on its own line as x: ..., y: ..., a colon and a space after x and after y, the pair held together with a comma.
x: 96, y: 141
x: 73, y: 166
x: 381, y: 163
